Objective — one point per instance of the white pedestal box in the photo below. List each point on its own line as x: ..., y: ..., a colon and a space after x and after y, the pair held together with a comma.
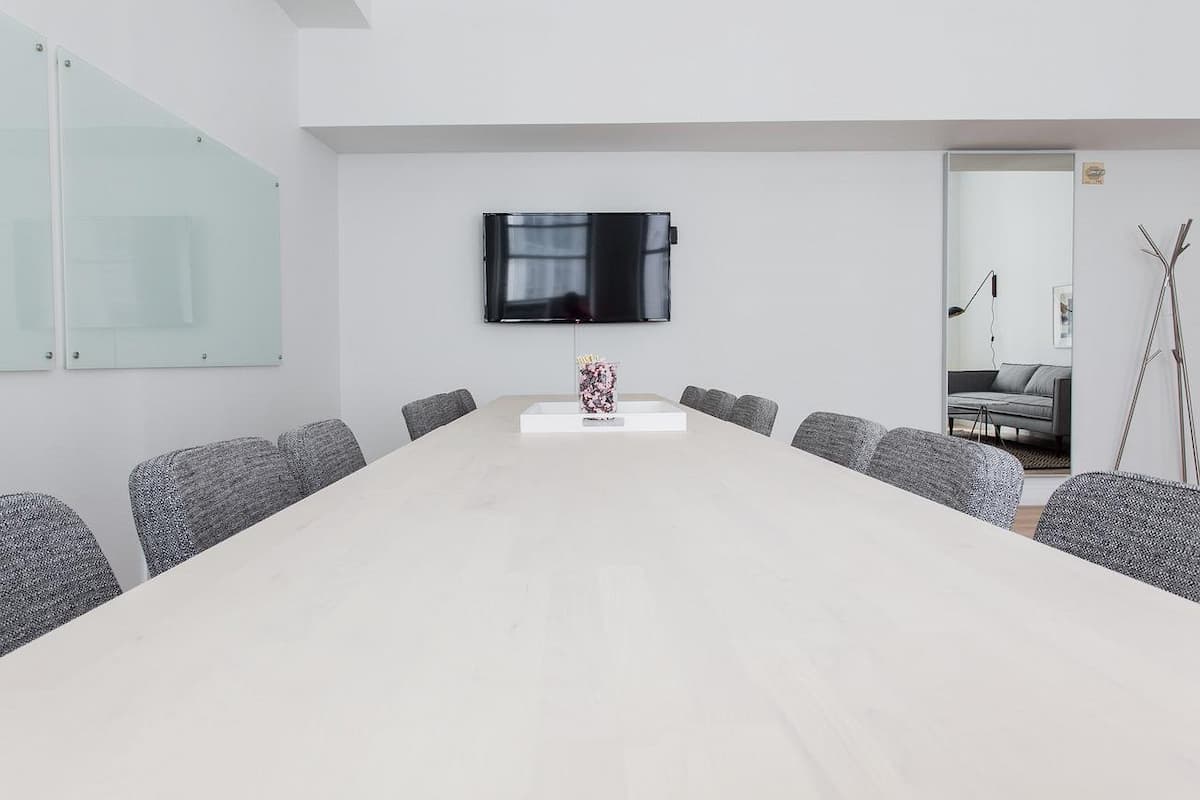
x: 631, y: 415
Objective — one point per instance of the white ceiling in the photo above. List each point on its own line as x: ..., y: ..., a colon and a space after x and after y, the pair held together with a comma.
x: 328, y: 13
x: 1149, y: 134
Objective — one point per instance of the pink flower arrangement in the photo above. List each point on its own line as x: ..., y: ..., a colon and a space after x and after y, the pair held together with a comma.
x: 597, y: 385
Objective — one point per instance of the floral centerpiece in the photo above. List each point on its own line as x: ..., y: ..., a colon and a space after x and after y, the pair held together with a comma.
x: 597, y: 384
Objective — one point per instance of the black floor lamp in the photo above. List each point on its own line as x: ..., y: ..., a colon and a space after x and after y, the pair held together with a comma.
x: 958, y: 311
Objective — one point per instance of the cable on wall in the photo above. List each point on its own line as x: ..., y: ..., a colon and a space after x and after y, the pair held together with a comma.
x: 992, y: 332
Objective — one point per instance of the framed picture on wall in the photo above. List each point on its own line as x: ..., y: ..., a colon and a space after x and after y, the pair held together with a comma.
x: 1064, y: 315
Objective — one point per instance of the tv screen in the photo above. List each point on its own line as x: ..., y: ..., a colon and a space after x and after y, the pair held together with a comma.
x: 577, y: 267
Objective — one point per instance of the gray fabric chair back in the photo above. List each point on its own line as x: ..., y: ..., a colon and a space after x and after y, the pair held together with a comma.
x: 718, y: 404
x: 430, y: 413
x: 1143, y: 527
x: 692, y: 397
x: 189, y: 500
x: 320, y: 453
x: 465, y: 401
x: 849, y: 441
x: 51, y: 569
x: 755, y: 413
x: 973, y: 478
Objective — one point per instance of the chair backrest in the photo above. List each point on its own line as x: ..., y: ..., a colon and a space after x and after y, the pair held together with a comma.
x: 973, y: 478
x: 189, y: 500
x: 465, y: 401
x: 430, y: 413
x: 692, y: 397
x: 755, y: 413
x: 849, y: 441
x: 320, y: 453
x: 51, y: 569
x: 718, y: 404
x: 1143, y: 527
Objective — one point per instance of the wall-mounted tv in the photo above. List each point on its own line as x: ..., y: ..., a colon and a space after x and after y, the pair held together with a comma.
x: 613, y: 267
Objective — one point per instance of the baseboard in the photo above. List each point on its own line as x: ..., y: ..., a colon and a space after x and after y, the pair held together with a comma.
x: 1038, y: 488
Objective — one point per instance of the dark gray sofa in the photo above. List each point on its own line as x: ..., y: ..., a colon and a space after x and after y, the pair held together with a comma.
x: 1031, y: 397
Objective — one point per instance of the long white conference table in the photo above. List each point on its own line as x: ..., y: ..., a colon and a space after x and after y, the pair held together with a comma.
x: 708, y: 614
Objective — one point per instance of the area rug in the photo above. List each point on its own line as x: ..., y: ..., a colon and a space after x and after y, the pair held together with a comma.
x: 1031, y: 456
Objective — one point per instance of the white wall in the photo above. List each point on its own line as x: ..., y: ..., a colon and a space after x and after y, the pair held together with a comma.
x: 813, y: 279
x: 228, y: 67
x: 550, y: 61
x: 1116, y: 287
x: 1021, y: 224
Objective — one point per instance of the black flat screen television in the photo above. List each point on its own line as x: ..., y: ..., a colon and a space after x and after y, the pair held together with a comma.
x: 577, y: 267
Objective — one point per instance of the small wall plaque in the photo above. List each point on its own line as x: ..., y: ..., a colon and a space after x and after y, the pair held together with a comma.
x: 1093, y: 173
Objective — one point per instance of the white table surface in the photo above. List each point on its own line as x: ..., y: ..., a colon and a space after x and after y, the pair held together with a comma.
x: 708, y: 614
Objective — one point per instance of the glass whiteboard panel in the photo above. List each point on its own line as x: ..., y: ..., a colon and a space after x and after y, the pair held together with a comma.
x: 26, y: 277
x: 171, y: 240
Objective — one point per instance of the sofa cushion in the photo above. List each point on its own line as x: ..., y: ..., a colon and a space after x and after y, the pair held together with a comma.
x: 973, y: 400
x: 1012, y: 378
x: 1027, y: 405
x: 1042, y: 381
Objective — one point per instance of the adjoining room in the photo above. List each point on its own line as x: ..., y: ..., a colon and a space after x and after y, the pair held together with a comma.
x: 1009, y: 258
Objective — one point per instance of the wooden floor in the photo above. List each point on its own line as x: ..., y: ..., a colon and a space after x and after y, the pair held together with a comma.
x: 1027, y: 519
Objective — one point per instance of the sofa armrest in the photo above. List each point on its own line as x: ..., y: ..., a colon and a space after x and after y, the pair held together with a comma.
x: 970, y: 380
x: 1061, y: 415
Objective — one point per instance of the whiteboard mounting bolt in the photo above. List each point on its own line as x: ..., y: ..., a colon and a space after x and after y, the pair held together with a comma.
x: 39, y: 47
x: 204, y: 356
x: 67, y: 63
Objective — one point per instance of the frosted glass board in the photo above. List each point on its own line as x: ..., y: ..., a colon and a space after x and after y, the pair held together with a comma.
x: 170, y: 239
x: 26, y: 277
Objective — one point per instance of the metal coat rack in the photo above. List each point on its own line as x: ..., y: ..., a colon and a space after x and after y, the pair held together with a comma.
x: 1183, y: 385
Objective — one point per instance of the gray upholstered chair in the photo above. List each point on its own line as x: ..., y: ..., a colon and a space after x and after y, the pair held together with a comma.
x: 718, y: 404
x: 692, y: 397
x: 321, y: 453
x: 755, y: 413
x: 849, y: 441
x: 465, y: 401
x: 430, y: 413
x: 189, y: 500
x: 970, y: 477
x: 51, y: 569
x: 1146, y: 528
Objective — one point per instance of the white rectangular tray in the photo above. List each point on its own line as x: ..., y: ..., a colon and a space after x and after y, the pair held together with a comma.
x: 631, y: 415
